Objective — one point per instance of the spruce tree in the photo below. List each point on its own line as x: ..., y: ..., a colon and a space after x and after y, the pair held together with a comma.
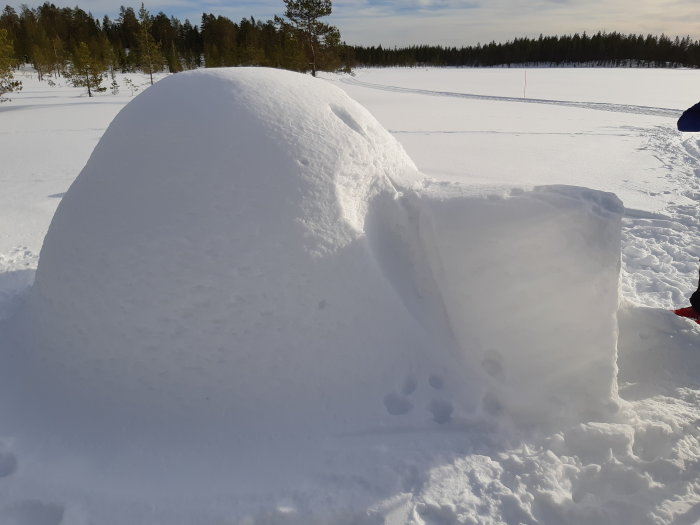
x: 7, y: 61
x: 150, y: 54
x: 86, y: 70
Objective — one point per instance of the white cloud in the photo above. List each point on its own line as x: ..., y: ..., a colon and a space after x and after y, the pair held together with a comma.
x: 503, y: 20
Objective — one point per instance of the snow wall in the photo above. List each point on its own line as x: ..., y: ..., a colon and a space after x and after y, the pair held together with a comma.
x: 250, y: 250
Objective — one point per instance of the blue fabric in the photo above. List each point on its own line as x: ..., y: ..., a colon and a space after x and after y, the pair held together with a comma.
x: 690, y: 119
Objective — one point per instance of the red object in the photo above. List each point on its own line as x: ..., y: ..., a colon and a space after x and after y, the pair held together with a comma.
x: 689, y: 313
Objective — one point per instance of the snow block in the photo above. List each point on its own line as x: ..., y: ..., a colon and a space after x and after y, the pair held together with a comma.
x: 529, y: 283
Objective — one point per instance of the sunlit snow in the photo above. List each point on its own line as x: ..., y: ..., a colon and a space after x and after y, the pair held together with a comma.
x: 253, y: 307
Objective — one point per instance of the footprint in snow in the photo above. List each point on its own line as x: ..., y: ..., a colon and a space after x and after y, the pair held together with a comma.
x: 8, y: 464
x: 32, y: 512
x: 409, y: 386
x: 400, y: 404
x: 436, y: 381
x: 397, y: 405
x: 441, y: 411
x: 493, y: 364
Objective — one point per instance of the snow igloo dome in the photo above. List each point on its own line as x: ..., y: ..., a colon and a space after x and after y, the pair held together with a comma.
x: 212, y: 258
x: 249, y: 250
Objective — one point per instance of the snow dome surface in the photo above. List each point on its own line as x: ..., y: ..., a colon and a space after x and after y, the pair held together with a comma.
x: 211, y: 258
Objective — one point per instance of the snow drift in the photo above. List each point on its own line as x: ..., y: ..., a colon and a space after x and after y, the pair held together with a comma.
x: 262, y: 261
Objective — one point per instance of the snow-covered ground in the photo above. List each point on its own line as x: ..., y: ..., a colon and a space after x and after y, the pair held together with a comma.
x: 472, y: 133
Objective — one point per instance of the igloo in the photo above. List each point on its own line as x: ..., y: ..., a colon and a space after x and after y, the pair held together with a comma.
x: 249, y: 251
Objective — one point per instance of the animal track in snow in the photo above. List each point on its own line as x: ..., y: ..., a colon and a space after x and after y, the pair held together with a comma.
x: 397, y: 405
x: 409, y: 386
x: 491, y: 404
x: 493, y: 364
x: 400, y: 404
x: 441, y: 411
x: 8, y: 464
x: 436, y: 381
x: 32, y: 512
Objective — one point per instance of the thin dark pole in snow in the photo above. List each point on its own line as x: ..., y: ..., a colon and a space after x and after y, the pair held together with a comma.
x: 525, y: 86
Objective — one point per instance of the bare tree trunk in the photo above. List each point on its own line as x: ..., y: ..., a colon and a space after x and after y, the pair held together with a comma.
x: 87, y: 83
x: 313, y: 60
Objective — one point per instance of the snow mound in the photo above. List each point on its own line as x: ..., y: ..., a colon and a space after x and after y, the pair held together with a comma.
x: 262, y: 262
x: 210, y: 261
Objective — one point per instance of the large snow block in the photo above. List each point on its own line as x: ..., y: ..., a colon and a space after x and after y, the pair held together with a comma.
x: 529, y: 282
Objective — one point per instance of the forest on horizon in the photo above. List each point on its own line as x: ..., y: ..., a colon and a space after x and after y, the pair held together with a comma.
x: 58, y: 40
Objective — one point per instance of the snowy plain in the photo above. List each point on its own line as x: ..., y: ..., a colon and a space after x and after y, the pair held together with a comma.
x: 609, y: 130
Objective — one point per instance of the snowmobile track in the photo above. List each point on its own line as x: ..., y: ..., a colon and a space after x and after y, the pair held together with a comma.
x: 598, y: 106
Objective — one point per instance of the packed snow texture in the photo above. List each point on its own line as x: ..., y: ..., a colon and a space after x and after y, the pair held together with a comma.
x: 263, y: 314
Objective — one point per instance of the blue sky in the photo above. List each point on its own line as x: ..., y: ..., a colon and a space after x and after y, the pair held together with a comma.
x: 445, y: 22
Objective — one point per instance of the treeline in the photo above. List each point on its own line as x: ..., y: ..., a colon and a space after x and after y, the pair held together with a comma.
x: 71, y: 42
x: 54, y: 39
x: 602, y: 49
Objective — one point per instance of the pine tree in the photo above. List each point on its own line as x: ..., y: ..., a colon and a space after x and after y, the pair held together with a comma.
x: 304, y: 15
x: 42, y: 60
x: 150, y: 55
x: 126, y: 29
x: 173, y: 60
x: 7, y: 61
x: 58, y: 56
x: 86, y: 70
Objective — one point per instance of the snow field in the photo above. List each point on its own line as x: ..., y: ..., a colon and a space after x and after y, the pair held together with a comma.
x: 662, y: 250
x: 430, y: 464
